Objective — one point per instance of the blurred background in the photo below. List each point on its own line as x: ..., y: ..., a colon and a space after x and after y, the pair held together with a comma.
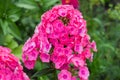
x: 18, y: 19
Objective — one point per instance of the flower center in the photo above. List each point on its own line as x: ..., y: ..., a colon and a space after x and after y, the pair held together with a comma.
x: 83, y: 72
x: 65, y: 76
x: 67, y: 1
x: 65, y: 20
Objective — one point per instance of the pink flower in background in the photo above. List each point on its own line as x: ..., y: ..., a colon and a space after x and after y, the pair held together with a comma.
x: 61, y: 38
x: 75, y: 3
x: 10, y: 67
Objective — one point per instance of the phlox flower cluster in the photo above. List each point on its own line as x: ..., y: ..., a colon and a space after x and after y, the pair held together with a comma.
x: 10, y: 67
x: 61, y: 38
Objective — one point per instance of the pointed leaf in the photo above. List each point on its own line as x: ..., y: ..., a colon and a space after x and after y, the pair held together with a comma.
x: 18, y: 51
x: 4, y: 26
x: 13, y: 29
x: 13, y: 44
x: 27, y: 4
x: 43, y: 72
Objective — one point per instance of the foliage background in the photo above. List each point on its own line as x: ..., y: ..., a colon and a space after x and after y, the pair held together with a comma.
x: 18, y: 19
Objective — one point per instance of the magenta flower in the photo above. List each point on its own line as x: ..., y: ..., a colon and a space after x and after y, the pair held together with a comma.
x: 75, y: 3
x: 10, y: 67
x: 78, y: 61
x: 64, y: 75
x: 45, y: 57
x: 83, y: 73
x: 61, y: 38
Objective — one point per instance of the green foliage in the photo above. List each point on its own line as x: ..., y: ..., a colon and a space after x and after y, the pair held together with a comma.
x: 18, y: 19
x: 114, y: 12
x: 104, y: 28
x: 9, y: 13
x: 43, y: 72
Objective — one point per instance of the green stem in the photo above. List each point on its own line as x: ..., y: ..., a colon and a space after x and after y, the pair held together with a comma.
x: 55, y: 75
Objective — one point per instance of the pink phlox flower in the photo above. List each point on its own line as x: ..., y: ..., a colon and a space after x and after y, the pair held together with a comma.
x: 87, y: 53
x: 29, y: 45
x: 45, y: 57
x: 93, y: 46
x: 58, y: 26
x: 78, y: 48
x: 49, y: 28
x: 45, y: 46
x: 62, y: 12
x: 64, y: 75
x: 83, y: 73
x: 31, y: 55
x: 29, y: 64
x: 77, y: 61
x: 61, y: 60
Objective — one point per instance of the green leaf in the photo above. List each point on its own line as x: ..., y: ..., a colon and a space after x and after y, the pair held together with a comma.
x: 103, y: 2
x: 43, y: 72
x: 51, y: 3
x: 38, y: 65
x: 14, y: 17
x: 14, y: 13
x: 4, y: 6
x: 13, y: 29
x: 18, y: 51
x: 4, y: 26
x: 27, y: 4
x: 98, y: 21
x: 8, y: 38
x: 1, y: 37
x: 12, y: 45
x: 108, y: 46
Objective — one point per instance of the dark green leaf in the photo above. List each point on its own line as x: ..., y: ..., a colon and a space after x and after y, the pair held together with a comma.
x: 14, y: 13
x: 1, y: 37
x: 4, y: 26
x: 4, y: 6
x: 98, y: 21
x: 27, y: 4
x: 13, y: 29
x: 43, y: 72
x: 51, y: 3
